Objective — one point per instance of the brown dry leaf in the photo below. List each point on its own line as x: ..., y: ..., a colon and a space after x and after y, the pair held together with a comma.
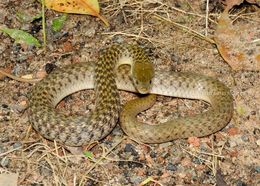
x: 231, y: 3
x: 90, y: 7
x: 257, y: 2
x: 238, y: 44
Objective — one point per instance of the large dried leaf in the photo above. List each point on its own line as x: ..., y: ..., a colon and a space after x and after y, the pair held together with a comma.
x: 238, y: 44
x: 90, y: 7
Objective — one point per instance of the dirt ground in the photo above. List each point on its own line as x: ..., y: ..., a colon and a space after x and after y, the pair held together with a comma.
x: 228, y: 157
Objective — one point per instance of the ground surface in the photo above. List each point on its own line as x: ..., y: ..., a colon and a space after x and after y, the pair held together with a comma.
x: 234, y: 151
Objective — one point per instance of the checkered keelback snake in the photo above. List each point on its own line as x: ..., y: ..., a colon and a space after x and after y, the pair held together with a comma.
x: 103, y: 75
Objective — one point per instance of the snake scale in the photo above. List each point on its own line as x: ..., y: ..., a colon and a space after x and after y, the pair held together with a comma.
x: 106, y: 78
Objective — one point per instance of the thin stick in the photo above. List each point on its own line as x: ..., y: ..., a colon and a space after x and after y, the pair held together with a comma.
x: 12, y: 150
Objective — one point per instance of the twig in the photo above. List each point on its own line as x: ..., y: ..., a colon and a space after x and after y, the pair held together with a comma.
x: 12, y: 150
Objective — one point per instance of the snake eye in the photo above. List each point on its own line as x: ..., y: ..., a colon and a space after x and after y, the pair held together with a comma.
x: 150, y: 81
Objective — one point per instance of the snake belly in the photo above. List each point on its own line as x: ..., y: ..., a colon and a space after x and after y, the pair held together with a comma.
x: 106, y: 80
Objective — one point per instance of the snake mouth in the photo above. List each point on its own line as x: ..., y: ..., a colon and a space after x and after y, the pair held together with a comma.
x: 143, y: 90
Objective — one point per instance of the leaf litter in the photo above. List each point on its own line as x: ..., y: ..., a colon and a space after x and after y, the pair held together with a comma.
x: 239, y: 44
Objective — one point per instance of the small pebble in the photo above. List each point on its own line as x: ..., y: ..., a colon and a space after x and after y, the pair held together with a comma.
x: 175, y: 58
x: 44, y: 168
x: 244, y: 138
x: 171, y: 167
x: 136, y: 180
x: 4, y: 162
x: 60, y: 35
x: 130, y: 148
x: 90, y: 182
x: 233, y: 131
x: 194, y: 141
x: 241, y: 183
x: 257, y: 168
x: 197, y: 161
x: 41, y: 74
x: 118, y: 39
x: 153, y: 154
x: 235, y: 140
x: 258, y: 142
x: 49, y: 67
x: 90, y: 32
x: 17, y: 145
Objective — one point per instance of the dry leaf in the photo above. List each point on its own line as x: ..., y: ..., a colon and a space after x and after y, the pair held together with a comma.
x: 257, y: 2
x: 238, y: 43
x: 90, y: 7
x: 231, y: 3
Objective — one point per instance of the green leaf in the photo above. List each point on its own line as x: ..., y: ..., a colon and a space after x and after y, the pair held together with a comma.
x: 58, y: 23
x: 21, y: 36
x: 88, y: 154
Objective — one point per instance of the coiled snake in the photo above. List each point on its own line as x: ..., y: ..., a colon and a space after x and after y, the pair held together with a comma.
x: 105, y: 78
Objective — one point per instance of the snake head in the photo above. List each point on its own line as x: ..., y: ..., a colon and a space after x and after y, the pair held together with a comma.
x: 142, y: 75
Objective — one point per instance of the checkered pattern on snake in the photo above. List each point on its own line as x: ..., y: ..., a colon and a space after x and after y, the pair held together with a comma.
x: 104, y: 77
